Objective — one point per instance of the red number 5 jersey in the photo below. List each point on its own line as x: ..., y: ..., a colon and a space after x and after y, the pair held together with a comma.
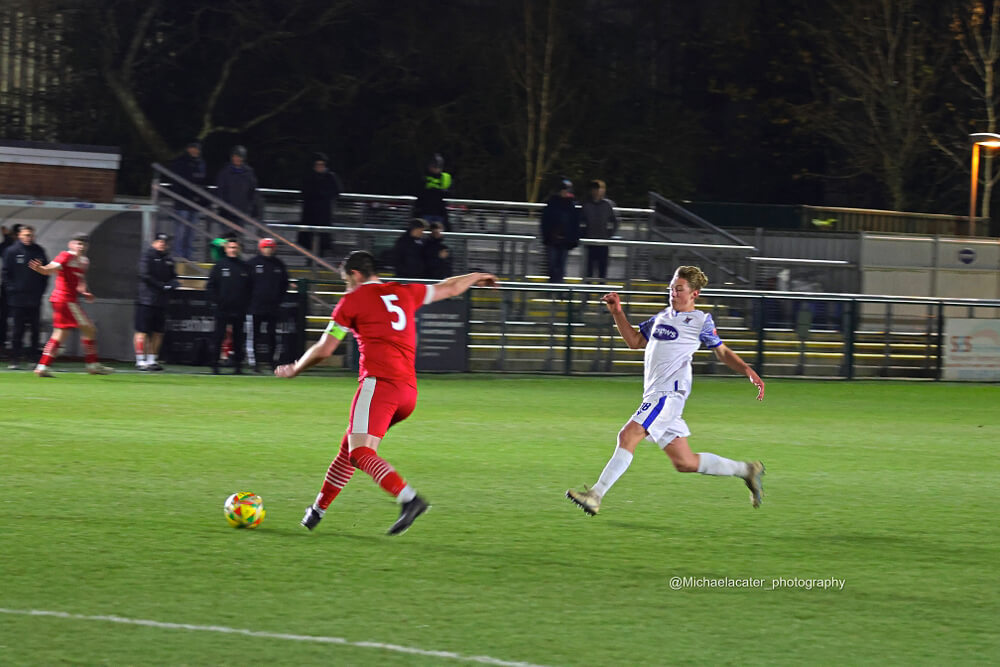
x: 382, y: 317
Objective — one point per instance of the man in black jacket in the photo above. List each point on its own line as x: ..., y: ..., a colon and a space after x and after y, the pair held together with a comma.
x: 437, y: 255
x: 408, y: 253
x: 560, y: 229
x: 270, y: 284
x: 228, y: 288
x: 191, y: 167
x: 157, y: 277
x: 319, y: 195
x: 24, y: 289
x: 237, y: 186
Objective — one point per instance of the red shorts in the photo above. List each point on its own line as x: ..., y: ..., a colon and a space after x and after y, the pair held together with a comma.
x: 69, y: 315
x: 379, y: 404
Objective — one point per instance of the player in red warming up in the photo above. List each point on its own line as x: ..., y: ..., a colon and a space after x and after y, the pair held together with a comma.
x: 70, y: 267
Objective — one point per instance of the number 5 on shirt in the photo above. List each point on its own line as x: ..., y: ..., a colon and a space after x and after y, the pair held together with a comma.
x: 398, y: 324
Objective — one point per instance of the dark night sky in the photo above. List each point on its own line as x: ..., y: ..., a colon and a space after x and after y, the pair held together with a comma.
x: 725, y: 100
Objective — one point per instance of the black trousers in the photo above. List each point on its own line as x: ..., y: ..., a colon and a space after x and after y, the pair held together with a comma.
x: 264, y: 346
x: 24, y: 316
x: 4, y: 311
x: 597, y: 261
x: 238, y: 322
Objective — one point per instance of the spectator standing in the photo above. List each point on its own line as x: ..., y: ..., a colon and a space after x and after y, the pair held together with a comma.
x: 599, y: 222
x: 560, y: 229
x: 237, y: 186
x: 430, y: 204
x: 228, y: 287
x: 319, y: 195
x: 437, y: 255
x: 190, y: 166
x: 408, y: 254
x: 157, y: 278
x: 25, y: 288
x: 269, y: 278
x: 7, y: 238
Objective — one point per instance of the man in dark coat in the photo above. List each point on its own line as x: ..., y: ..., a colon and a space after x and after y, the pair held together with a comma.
x: 157, y: 278
x: 408, y: 253
x: 437, y: 255
x: 228, y: 287
x: 319, y: 196
x: 24, y: 289
x: 560, y: 229
x: 237, y: 186
x: 270, y: 284
x: 191, y: 167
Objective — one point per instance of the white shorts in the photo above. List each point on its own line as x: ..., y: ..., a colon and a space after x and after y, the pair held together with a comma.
x: 660, y: 415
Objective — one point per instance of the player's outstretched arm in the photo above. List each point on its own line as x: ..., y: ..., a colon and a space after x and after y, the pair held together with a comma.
x: 632, y: 338
x: 44, y: 269
x: 320, y: 350
x: 456, y: 285
x: 731, y: 359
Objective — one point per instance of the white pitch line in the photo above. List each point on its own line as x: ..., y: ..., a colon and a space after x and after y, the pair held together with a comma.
x: 481, y: 659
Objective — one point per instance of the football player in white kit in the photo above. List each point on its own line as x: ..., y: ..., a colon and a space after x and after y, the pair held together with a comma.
x: 670, y: 339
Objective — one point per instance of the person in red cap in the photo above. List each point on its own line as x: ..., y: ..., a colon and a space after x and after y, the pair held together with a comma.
x: 269, y: 279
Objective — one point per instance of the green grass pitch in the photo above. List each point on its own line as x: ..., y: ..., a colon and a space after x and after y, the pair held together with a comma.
x: 112, y: 491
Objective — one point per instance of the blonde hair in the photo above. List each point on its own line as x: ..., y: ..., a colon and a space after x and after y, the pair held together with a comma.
x: 694, y: 276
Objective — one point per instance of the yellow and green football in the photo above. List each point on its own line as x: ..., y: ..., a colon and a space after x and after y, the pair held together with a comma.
x: 244, y: 510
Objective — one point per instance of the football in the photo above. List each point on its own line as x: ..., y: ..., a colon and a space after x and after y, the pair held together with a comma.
x: 244, y: 510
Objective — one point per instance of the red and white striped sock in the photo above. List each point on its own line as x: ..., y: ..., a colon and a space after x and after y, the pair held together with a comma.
x: 89, y: 350
x: 49, y: 352
x: 140, y: 350
x: 379, y: 469
x: 337, y: 477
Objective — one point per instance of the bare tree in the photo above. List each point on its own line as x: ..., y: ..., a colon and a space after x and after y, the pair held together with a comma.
x: 977, y: 33
x: 878, y: 74
x: 135, y: 42
x: 540, y: 72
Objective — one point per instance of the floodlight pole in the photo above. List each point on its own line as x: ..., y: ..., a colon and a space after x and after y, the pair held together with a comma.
x: 972, y: 189
x: 990, y: 140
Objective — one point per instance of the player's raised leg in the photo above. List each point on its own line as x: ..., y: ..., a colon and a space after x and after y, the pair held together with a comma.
x: 707, y: 463
x: 377, y: 406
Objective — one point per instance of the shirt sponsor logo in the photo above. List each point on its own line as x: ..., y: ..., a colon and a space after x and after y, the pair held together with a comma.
x: 664, y: 332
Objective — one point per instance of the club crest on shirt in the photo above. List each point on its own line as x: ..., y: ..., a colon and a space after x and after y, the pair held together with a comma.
x: 687, y: 320
x: 664, y: 332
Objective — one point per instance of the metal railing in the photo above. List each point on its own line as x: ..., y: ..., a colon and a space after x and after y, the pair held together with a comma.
x: 564, y: 329
x: 511, y: 255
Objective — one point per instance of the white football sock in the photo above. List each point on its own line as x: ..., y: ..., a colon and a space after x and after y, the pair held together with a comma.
x: 316, y: 506
x: 615, y: 468
x: 406, y: 495
x: 713, y: 464
x: 150, y: 358
x: 139, y: 359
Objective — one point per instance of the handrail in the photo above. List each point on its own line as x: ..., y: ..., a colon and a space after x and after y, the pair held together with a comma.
x: 511, y: 237
x: 691, y: 217
x: 240, y: 214
x: 796, y: 260
x: 409, y: 199
x: 397, y: 232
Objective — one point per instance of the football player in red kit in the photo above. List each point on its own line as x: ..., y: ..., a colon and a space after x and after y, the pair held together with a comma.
x: 382, y: 318
x: 70, y: 267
